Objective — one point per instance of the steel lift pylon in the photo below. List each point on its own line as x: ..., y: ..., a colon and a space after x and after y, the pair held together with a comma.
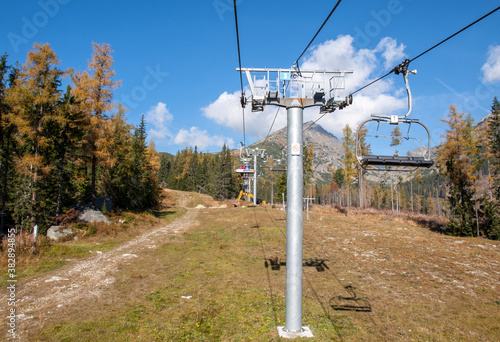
x: 295, y: 90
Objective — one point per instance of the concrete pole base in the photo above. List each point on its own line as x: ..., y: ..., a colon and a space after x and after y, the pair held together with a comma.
x: 306, y: 332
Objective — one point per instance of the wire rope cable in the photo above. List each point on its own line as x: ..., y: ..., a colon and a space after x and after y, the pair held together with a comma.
x: 456, y: 33
x: 429, y: 49
x: 319, y: 30
x: 241, y: 76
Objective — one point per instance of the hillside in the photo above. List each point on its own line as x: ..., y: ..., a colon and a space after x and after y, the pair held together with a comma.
x: 218, y: 273
x: 328, y: 150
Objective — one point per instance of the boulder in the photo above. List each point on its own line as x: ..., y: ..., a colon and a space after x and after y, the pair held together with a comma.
x: 90, y: 215
x: 57, y: 232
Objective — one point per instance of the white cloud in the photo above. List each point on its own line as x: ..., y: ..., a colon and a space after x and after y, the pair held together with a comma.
x: 159, y: 117
x: 491, y: 69
x: 201, y: 139
x: 341, y: 54
x: 382, y: 97
x: 392, y: 53
x: 227, y: 111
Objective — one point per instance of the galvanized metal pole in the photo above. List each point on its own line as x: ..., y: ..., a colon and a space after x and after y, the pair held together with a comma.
x: 255, y: 177
x: 294, y: 220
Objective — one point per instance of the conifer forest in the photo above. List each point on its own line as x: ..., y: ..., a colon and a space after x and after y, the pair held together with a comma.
x: 64, y: 142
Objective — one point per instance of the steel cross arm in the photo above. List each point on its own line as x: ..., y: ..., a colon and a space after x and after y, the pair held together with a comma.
x: 291, y: 87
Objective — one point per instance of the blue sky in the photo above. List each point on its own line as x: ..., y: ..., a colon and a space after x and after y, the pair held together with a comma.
x: 177, y: 59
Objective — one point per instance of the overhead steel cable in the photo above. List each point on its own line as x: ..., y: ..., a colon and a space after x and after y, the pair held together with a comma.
x: 296, y: 62
x: 369, y: 84
x: 453, y: 35
x: 241, y: 76
x: 312, y: 40
x: 428, y: 50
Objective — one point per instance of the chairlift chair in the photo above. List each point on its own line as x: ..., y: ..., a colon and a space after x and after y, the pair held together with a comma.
x: 244, y: 168
x: 395, y: 163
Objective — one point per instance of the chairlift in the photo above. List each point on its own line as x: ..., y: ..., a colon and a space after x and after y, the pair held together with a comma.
x: 244, y: 167
x: 374, y: 162
x: 280, y: 162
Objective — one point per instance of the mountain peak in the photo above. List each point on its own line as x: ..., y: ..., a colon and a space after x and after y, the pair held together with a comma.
x: 327, y: 148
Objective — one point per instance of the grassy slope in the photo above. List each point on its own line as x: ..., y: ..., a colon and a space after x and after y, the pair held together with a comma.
x: 418, y: 285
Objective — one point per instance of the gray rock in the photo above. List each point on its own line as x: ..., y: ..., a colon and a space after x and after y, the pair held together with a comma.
x: 90, y: 215
x: 57, y: 232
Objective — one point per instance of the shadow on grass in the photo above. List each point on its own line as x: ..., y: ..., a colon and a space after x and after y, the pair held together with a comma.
x: 431, y: 223
x: 275, y: 263
x: 350, y: 303
x: 164, y: 213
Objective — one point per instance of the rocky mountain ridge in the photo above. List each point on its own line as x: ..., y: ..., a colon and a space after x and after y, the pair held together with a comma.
x: 327, y: 148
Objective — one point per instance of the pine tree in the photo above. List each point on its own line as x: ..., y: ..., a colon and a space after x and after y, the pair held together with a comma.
x: 116, y: 168
x: 140, y: 194
x: 225, y: 181
x: 492, y: 207
x: 164, y: 170
x: 192, y: 166
x: 65, y: 131
x: 493, y: 133
x: 202, y: 173
x: 5, y: 139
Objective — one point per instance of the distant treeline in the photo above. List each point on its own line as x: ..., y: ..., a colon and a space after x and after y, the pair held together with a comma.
x: 190, y: 170
x: 62, y: 148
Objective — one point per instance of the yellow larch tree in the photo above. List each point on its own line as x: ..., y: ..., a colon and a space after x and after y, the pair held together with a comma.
x: 94, y: 89
x: 33, y: 99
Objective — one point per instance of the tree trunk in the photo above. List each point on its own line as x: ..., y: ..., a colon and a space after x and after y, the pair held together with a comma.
x: 93, y: 175
x: 4, y: 187
x: 348, y: 198
x: 392, y: 200
x: 59, y: 190
x: 411, y: 192
x: 35, y: 173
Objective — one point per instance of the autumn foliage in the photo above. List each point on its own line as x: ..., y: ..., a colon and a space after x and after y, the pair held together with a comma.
x: 61, y: 147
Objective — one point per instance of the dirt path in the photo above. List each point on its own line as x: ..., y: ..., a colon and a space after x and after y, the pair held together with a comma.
x: 41, y: 298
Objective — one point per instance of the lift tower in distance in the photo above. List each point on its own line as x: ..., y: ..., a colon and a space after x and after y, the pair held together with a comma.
x: 295, y: 89
x: 255, y: 152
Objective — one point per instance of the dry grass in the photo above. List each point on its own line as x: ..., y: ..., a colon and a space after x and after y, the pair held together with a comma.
x: 34, y: 256
x: 368, y: 278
